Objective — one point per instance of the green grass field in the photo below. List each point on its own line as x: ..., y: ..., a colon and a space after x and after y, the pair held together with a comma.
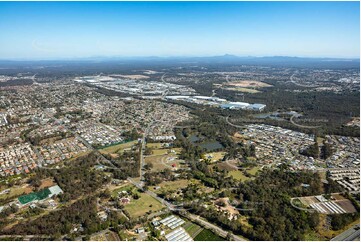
x: 238, y: 175
x: 192, y: 229
x: 118, y: 148
x: 160, y: 151
x: 129, y: 187
x: 141, y: 206
x: 172, y: 185
x: 253, y: 170
x: 207, y: 235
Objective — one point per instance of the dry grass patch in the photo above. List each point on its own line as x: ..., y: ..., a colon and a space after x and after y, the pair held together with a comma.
x: 242, y: 89
x: 248, y: 83
x: 47, y: 183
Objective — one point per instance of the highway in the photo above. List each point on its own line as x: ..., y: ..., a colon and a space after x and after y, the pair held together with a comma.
x: 234, y: 125
x: 298, y: 84
x: 302, y: 126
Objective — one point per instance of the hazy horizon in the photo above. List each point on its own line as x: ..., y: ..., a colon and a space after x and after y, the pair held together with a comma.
x: 74, y: 30
x: 105, y: 58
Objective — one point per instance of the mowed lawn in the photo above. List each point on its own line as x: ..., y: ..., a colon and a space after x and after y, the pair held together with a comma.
x: 160, y: 152
x: 238, y: 175
x: 207, y: 235
x: 125, y: 187
x: 173, y: 185
x: 145, y: 203
x: 253, y: 170
x: 192, y: 229
x: 118, y: 148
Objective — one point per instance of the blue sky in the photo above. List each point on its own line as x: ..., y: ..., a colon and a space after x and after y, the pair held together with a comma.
x: 50, y: 30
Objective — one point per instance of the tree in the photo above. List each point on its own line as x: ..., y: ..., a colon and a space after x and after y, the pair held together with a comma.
x: 326, y: 150
x: 229, y: 236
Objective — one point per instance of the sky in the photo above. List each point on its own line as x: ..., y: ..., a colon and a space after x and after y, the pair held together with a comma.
x: 55, y: 30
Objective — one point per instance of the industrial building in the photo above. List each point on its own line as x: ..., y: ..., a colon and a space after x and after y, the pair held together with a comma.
x: 218, y: 102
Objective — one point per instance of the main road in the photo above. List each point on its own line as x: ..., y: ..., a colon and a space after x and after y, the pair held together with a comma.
x: 197, y: 219
x: 234, y: 125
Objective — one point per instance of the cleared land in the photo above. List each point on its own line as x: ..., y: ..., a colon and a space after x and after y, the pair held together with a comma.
x: 46, y: 183
x: 104, y: 236
x: 161, y: 162
x: 242, y: 89
x: 215, y: 156
x: 160, y: 151
x: 248, y: 83
x: 172, y: 185
x: 118, y: 148
x: 154, y: 145
x: 239, y: 175
x: 145, y: 203
x: 13, y: 192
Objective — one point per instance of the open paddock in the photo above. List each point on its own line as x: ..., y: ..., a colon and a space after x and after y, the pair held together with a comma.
x: 119, y: 148
x: 161, y: 162
x: 161, y: 151
x: 14, y: 192
x: 46, y: 183
x: 171, y: 186
x: 242, y: 89
x: 215, y: 156
x: 192, y: 229
x: 239, y: 175
x: 154, y: 145
x: 248, y: 84
x: 145, y: 203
